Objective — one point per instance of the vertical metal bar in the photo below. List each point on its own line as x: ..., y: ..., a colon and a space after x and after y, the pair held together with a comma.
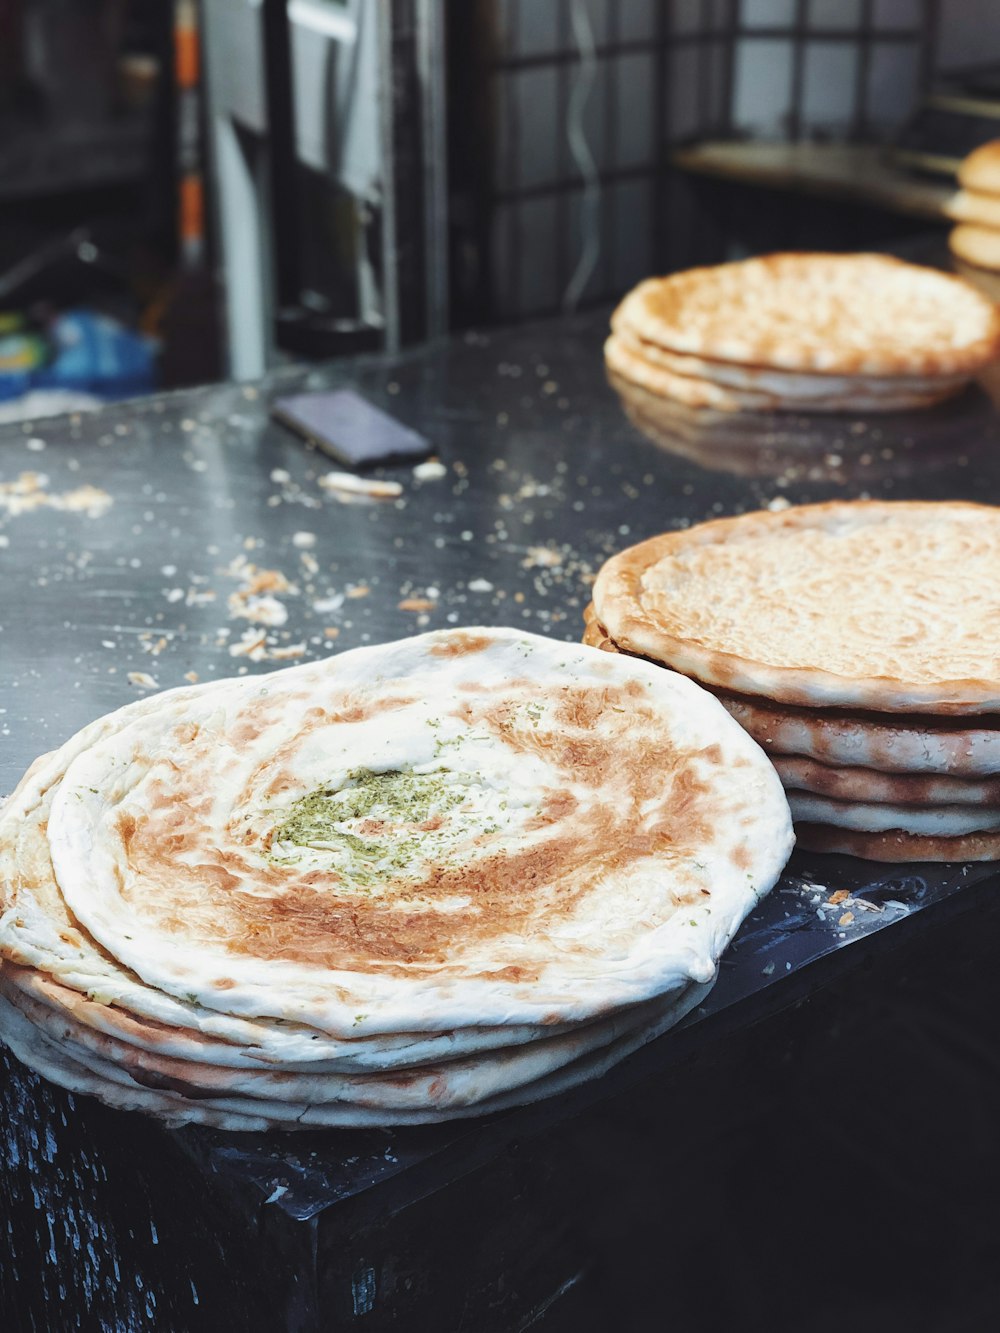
x: 707, y: 17
x: 612, y: 68
x: 282, y: 149
x: 659, y: 213
x: 563, y: 239
x: 929, y: 31
x: 800, y: 28
x: 430, y: 76
x: 514, y: 229
x: 859, y: 125
x: 729, y: 66
x: 387, y: 147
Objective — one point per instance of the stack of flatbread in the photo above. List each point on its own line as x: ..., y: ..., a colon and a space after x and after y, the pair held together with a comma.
x: 804, y: 332
x: 976, y: 208
x: 857, y: 642
x: 422, y: 880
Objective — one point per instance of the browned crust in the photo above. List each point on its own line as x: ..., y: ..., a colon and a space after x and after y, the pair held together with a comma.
x: 799, y: 773
x: 617, y: 603
x: 761, y: 718
x: 287, y: 920
x: 897, y: 845
x: 834, y: 354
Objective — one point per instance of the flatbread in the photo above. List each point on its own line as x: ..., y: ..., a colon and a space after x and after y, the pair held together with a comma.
x: 976, y: 207
x: 38, y: 932
x: 976, y: 245
x: 839, y: 605
x: 118, y: 1087
x: 623, y: 359
x: 35, y: 1051
x: 859, y: 314
x: 182, y: 843
x: 980, y: 171
x: 868, y: 785
x: 630, y: 359
x: 460, y: 1082
x: 797, y: 389
x: 918, y: 748
x: 898, y: 846
x: 947, y: 821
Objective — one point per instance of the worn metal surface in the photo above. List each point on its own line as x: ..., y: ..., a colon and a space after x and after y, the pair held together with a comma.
x: 545, y: 474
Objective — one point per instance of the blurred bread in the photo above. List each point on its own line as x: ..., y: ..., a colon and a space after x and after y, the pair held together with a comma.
x: 981, y: 169
x: 976, y: 245
x: 982, y: 210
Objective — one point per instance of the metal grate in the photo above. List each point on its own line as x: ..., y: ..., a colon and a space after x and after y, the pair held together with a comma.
x: 661, y: 73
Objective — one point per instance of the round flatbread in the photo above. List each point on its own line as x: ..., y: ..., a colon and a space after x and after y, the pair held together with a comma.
x: 38, y: 933
x: 976, y: 245
x: 841, y: 605
x: 630, y: 358
x: 35, y: 1051
x: 946, y: 821
x: 465, y: 828
x: 122, y: 1088
x: 454, y: 1083
x: 797, y: 389
x: 623, y: 359
x: 840, y: 314
x: 926, y: 749
x: 897, y: 845
x: 975, y: 207
x: 869, y: 786
x: 980, y: 171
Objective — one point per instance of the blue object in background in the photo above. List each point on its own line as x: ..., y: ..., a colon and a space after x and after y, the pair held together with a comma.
x: 87, y: 353
x: 96, y: 354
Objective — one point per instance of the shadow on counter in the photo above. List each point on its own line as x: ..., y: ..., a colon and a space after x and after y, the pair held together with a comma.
x: 834, y: 449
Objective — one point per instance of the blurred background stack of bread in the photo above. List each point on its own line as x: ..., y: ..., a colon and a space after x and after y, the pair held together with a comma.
x: 976, y: 209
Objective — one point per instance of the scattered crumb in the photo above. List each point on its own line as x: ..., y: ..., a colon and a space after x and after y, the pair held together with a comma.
x: 347, y: 483
x: 143, y: 680
x: 480, y: 585
x: 303, y: 539
x: 416, y: 604
x: 28, y: 492
x: 779, y: 503
x: 846, y: 919
x: 432, y: 470
x: 331, y: 632
x: 359, y: 590
x: 840, y: 896
x: 541, y: 557
x: 254, y: 599
x: 191, y: 677
x: 258, y: 610
x: 261, y: 647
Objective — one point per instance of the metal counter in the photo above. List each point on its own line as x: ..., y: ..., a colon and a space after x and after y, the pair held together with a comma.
x: 110, y: 592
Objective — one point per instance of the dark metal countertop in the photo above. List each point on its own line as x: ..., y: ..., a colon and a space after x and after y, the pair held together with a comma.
x: 548, y: 471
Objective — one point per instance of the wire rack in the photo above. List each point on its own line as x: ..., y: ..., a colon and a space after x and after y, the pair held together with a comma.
x: 538, y: 87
